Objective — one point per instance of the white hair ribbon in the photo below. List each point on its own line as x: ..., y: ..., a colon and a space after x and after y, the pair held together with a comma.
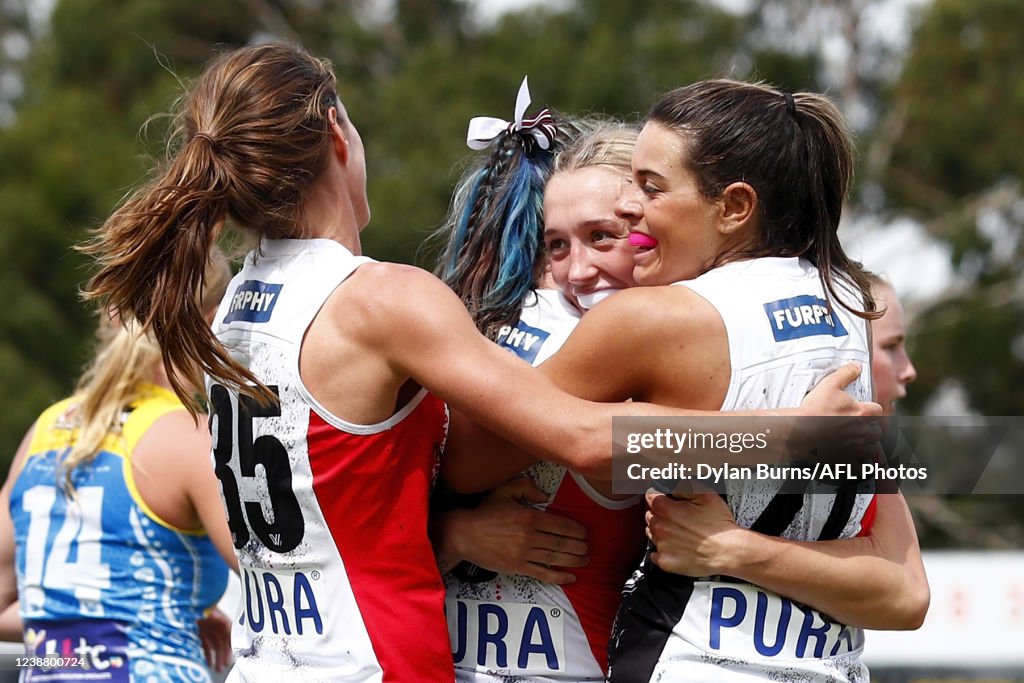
x: 483, y: 130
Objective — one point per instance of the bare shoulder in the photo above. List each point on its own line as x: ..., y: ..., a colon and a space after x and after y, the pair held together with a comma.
x: 177, y: 437
x: 388, y: 290
x: 168, y: 460
x: 392, y: 282
x: 380, y: 299
x: 386, y: 323
x: 656, y: 344
x: 651, y: 312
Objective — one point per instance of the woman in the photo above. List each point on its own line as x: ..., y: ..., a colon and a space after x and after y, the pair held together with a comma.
x: 588, y: 258
x: 313, y: 449
x: 891, y: 367
x: 550, y: 632
x: 713, y: 206
x: 112, y: 521
x: 694, y: 535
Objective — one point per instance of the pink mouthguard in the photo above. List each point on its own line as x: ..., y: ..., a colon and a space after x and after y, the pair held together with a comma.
x: 639, y: 239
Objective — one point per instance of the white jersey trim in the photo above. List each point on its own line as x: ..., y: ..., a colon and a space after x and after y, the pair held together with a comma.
x: 791, y: 272
x: 279, y: 248
x: 355, y: 428
x: 600, y: 498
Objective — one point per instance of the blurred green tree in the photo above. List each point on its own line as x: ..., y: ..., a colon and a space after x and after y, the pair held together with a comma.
x: 954, y: 162
x: 99, y: 72
x: 959, y: 105
x: 936, y: 138
x: 412, y: 78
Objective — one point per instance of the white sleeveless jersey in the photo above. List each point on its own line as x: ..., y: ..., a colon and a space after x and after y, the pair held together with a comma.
x: 544, y: 324
x: 514, y: 628
x: 328, y: 518
x: 784, y: 336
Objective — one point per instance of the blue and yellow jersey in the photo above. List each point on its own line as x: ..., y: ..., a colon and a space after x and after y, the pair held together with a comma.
x: 101, y: 577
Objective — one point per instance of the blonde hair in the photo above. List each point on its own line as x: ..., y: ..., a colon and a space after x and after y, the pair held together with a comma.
x: 123, y: 363
x: 606, y: 143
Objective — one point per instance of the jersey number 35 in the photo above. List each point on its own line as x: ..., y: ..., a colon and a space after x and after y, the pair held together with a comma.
x: 231, y: 424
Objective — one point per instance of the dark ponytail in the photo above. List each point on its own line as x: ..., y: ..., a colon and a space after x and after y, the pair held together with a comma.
x: 796, y: 151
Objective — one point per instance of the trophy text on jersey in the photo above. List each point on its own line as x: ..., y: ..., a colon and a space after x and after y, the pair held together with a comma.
x: 253, y: 302
x: 802, y: 316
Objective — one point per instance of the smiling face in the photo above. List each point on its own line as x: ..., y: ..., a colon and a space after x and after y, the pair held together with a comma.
x: 664, y: 201
x: 586, y: 242
x: 891, y: 368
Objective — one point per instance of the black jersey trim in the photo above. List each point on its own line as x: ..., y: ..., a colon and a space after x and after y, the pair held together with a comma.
x: 650, y: 608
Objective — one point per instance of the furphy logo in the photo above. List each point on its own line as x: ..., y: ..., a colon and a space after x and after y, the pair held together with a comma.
x: 522, y: 340
x: 802, y: 316
x: 253, y: 302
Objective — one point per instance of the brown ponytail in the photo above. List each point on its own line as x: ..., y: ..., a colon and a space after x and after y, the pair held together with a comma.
x: 121, y: 366
x: 251, y: 137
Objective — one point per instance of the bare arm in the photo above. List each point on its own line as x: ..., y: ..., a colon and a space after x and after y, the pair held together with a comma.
x: 877, y: 581
x: 202, y: 490
x: 204, y: 493
x: 175, y: 477
x: 601, y: 361
x: 431, y: 339
x: 629, y: 348
x: 10, y: 621
x: 215, y: 637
